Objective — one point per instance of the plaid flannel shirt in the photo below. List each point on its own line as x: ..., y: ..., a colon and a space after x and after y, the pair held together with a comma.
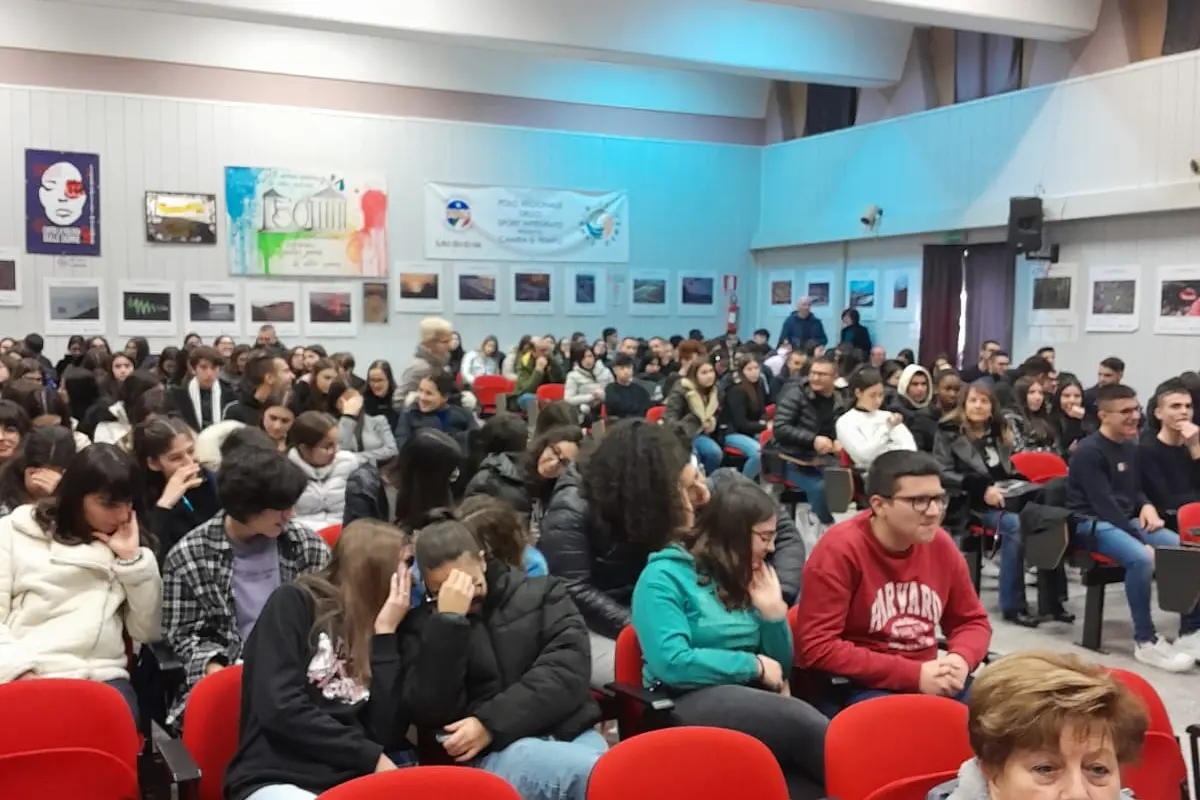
x: 199, y: 618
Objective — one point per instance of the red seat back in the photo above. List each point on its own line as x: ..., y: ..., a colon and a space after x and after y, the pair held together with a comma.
x: 78, y: 773
x: 550, y: 392
x: 486, y: 387
x: 425, y: 783
x: 51, y: 722
x: 1160, y: 771
x: 1040, y: 467
x: 1159, y: 720
x: 330, y: 534
x: 934, y: 741
x: 693, y: 762
x: 655, y: 414
x: 915, y: 788
x: 1189, y: 523
x: 210, y: 727
x: 628, y: 658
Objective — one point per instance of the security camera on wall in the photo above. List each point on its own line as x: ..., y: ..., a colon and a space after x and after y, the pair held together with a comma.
x: 871, y: 217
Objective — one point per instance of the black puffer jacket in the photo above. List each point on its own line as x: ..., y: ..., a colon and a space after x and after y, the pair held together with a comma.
x: 499, y: 476
x: 522, y: 667
x: 601, y: 573
x: 365, y: 497
x: 796, y: 425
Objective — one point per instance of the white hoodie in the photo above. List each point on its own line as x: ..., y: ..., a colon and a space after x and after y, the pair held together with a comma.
x: 866, y: 435
x: 64, y: 608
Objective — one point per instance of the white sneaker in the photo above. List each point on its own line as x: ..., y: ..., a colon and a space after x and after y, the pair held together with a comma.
x: 1190, y: 644
x: 1161, y: 654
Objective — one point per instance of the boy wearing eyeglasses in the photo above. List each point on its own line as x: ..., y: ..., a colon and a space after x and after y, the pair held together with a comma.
x: 877, y: 588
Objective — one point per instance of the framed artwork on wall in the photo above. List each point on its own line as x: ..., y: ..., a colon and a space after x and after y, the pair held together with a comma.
x: 900, y: 290
x: 696, y: 294
x: 274, y: 303
x: 1112, y: 299
x: 74, y: 305
x: 586, y: 291
x: 648, y: 293
x: 10, y: 276
x: 781, y: 294
x: 818, y: 288
x: 212, y: 308
x: 531, y: 290
x: 476, y: 288
x: 148, y: 308
x: 862, y: 292
x: 1178, y: 300
x: 329, y: 309
x: 175, y: 218
x: 420, y: 287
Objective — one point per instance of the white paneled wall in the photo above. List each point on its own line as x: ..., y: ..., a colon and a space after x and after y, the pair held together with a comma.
x: 691, y: 205
x: 1102, y: 145
x: 1147, y: 242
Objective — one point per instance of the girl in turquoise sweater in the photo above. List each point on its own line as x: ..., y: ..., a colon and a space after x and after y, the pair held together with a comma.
x: 712, y: 623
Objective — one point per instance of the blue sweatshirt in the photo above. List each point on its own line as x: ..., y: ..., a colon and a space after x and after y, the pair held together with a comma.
x: 688, y: 638
x: 1103, y: 482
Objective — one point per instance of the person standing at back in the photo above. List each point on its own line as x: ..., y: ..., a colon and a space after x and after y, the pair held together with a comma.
x: 802, y: 327
x: 1118, y: 521
x: 980, y: 368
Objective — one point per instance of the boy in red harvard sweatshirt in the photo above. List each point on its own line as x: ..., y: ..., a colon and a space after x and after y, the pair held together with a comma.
x: 878, y: 586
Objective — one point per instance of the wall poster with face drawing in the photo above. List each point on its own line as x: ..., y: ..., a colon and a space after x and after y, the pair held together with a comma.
x: 62, y: 203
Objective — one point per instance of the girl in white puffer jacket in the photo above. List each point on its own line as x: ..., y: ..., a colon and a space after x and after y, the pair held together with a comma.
x: 315, y: 449
x: 867, y: 431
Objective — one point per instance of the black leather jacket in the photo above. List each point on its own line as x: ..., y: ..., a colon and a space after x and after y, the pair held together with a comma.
x: 601, y: 573
x: 796, y: 424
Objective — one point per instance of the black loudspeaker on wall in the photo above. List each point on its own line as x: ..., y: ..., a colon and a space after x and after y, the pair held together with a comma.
x: 1025, y: 224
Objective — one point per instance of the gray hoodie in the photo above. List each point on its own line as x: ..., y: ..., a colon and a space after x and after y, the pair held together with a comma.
x: 971, y: 785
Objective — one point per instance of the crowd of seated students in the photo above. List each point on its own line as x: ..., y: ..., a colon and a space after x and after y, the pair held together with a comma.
x: 484, y: 621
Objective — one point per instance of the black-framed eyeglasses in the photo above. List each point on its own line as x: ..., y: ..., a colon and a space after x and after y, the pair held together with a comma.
x: 920, y: 503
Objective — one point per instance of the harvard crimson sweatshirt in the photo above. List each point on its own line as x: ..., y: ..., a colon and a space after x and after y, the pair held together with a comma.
x: 872, y: 616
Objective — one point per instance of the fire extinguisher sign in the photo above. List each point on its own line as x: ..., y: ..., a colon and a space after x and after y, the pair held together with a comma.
x: 729, y: 283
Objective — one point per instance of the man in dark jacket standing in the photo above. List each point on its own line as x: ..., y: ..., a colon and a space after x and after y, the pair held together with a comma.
x: 497, y: 669
x: 805, y: 427
x: 801, y: 327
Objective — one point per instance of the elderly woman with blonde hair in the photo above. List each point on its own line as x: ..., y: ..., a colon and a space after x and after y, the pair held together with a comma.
x: 1048, y: 726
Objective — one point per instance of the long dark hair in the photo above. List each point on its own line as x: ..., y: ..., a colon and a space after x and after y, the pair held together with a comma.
x: 349, y: 592
x: 39, y: 400
x: 102, y: 469
x: 51, y: 446
x: 499, y: 529
x: 631, y: 483
x: 151, y: 439
x: 141, y: 351
x: 336, y: 389
x: 423, y: 474
x: 83, y: 391
x: 723, y: 539
x: 537, y: 487
x: 753, y: 391
x: 1040, y: 422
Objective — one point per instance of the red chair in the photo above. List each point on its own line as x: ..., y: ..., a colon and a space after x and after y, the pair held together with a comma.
x: 330, y: 534
x: 638, y: 709
x: 486, y: 387
x: 1040, y: 467
x: 67, y: 738
x: 425, y: 782
x: 655, y: 414
x: 1189, y: 523
x: 934, y: 744
x: 1161, y: 772
x: 548, y: 393
x: 692, y: 762
x: 210, y: 727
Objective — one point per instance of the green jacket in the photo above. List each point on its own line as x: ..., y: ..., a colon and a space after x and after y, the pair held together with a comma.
x: 688, y: 638
x: 528, y: 379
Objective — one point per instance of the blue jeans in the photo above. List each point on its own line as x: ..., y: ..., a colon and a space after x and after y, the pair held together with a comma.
x: 125, y: 687
x: 750, y: 449
x: 811, y: 481
x: 1130, y: 552
x: 858, y: 694
x: 547, y: 769
x: 709, y: 453
x: 1012, y: 559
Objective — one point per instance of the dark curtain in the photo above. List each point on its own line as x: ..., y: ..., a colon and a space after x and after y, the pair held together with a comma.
x: 985, y: 64
x: 829, y: 108
x: 990, y: 274
x: 941, y: 301
x: 1183, y: 27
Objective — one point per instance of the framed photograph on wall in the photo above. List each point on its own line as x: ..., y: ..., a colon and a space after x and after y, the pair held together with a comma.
x: 696, y: 294
x: 329, y: 309
x: 586, y: 291
x: 274, y: 303
x: 1052, y: 300
x: 900, y: 289
x: 781, y: 294
x: 862, y: 292
x: 148, y: 308
x: 1112, y: 299
x: 476, y: 288
x: 420, y: 288
x: 375, y: 303
x: 1178, y: 300
x: 74, y: 305
x: 531, y: 290
x: 10, y: 276
x: 818, y: 288
x: 212, y: 308
x: 175, y: 218
x: 648, y: 292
